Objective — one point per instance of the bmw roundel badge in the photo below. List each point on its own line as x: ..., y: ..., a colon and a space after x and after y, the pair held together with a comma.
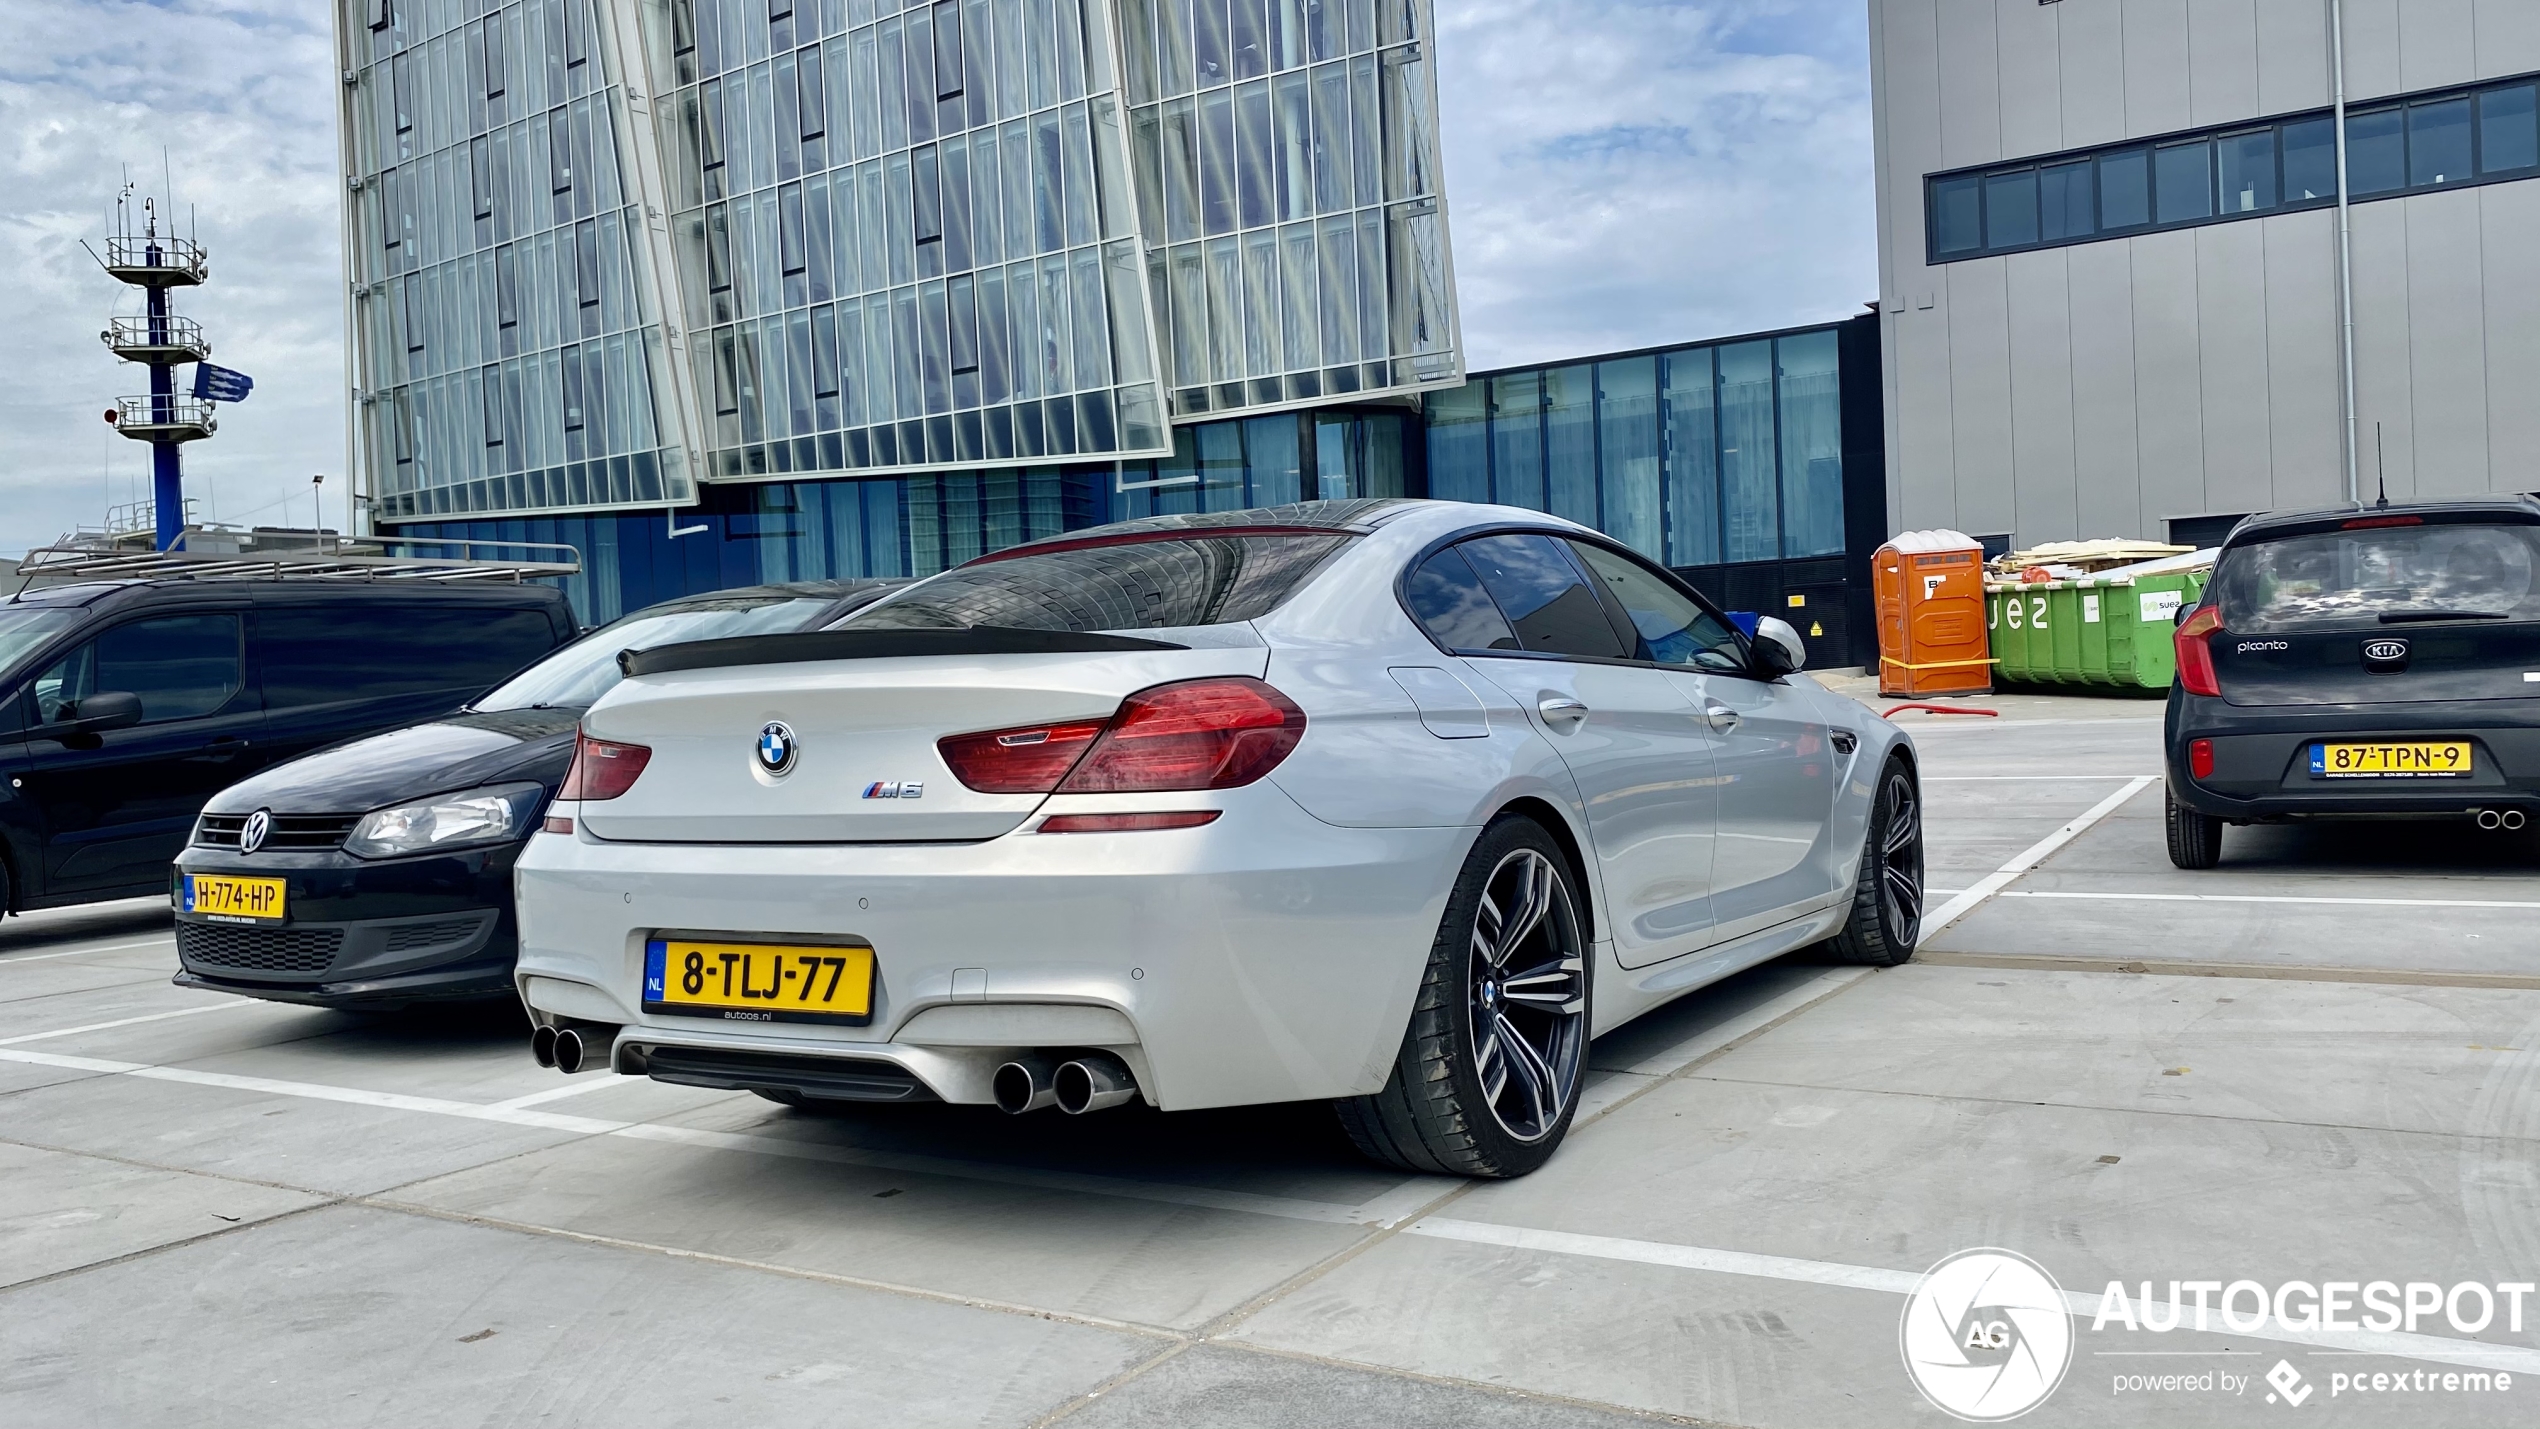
x: 251, y: 834
x: 776, y: 747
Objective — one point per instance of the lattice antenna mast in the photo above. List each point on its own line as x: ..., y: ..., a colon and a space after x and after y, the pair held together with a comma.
x: 161, y: 341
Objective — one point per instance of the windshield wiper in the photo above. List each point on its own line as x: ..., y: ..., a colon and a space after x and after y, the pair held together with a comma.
x: 2407, y: 617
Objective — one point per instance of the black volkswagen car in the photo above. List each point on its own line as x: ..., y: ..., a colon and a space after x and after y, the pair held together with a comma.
x: 377, y: 873
x: 2379, y: 660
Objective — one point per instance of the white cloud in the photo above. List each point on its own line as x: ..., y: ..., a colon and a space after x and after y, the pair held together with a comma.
x: 1622, y: 173
x: 1626, y: 173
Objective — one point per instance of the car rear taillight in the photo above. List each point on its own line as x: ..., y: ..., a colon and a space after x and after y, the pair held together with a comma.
x: 602, y: 769
x: 1018, y: 761
x: 2195, y: 656
x: 2200, y: 758
x: 1197, y: 734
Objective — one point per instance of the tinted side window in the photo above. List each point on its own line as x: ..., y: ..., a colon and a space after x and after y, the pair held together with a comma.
x: 1543, y: 595
x: 182, y: 667
x: 1450, y: 603
x: 1671, y: 630
x: 316, y: 655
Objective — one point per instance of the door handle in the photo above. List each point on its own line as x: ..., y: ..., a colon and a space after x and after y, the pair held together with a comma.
x: 1721, y: 717
x: 223, y: 749
x: 1561, y: 710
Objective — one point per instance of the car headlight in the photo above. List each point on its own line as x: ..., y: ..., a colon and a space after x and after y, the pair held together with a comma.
x: 462, y: 820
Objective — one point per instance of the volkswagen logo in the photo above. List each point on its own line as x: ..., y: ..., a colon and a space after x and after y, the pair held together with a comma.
x: 251, y: 834
x: 776, y: 747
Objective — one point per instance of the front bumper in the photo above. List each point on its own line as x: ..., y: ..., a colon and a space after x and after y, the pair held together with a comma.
x: 358, y: 933
x: 2262, y: 760
x: 1265, y: 957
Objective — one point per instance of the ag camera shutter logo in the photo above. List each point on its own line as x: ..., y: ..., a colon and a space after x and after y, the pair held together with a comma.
x: 1987, y: 1335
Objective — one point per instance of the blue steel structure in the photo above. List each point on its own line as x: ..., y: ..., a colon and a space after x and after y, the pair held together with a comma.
x: 156, y: 262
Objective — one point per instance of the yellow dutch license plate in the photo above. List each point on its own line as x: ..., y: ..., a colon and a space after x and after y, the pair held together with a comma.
x: 234, y: 900
x: 760, y: 982
x: 2434, y: 759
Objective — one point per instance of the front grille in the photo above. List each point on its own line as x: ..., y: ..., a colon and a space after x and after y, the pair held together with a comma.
x: 272, y: 950
x: 290, y: 831
x: 408, y: 937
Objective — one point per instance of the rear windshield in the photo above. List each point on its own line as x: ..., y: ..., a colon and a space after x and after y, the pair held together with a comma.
x: 1141, y: 585
x: 2386, y: 575
x: 576, y: 676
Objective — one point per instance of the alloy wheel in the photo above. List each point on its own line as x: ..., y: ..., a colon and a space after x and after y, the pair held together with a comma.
x: 1901, y: 859
x: 1528, y: 995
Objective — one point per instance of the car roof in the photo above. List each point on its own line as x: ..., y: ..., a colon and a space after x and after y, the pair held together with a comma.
x: 2272, y: 525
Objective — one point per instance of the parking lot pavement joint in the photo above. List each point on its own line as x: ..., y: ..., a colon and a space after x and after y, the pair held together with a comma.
x: 2275, y: 972
x: 389, y: 1203
x: 1443, y: 1381
x: 1778, y: 1012
x: 1087, y: 1398
x: 182, y: 1242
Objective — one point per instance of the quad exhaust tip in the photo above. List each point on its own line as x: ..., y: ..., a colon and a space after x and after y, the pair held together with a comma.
x: 1091, y: 1083
x: 574, y: 1047
x: 1025, y: 1085
x: 1088, y: 1083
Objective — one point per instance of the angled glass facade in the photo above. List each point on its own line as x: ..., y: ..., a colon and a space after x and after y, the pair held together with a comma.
x: 507, y: 317
x: 790, y: 238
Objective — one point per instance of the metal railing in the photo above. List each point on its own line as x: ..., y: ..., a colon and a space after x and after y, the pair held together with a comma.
x: 145, y: 258
x: 300, y: 555
x: 128, y: 335
x: 145, y: 418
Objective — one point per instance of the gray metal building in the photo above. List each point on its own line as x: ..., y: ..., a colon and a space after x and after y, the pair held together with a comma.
x: 2110, y: 258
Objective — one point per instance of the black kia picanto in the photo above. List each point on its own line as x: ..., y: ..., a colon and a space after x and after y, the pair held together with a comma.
x: 378, y: 873
x: 2380, y: 660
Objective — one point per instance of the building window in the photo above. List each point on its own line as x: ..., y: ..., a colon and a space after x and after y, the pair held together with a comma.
x: 2479, y: 134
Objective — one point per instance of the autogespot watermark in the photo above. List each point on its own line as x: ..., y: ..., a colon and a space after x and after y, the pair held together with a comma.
x: 1988, y: 1335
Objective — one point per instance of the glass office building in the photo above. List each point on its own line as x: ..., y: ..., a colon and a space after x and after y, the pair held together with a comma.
x: 606, y: 253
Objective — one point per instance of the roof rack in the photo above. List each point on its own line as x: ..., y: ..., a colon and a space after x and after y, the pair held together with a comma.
x: 230, y: 554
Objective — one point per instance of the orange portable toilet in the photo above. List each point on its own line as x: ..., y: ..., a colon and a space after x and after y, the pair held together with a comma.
x: 1930, y: 587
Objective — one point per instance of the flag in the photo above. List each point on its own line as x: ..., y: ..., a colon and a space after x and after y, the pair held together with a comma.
x: 219, y: 384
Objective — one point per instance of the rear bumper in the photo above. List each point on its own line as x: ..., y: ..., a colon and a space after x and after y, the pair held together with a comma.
x: 2262, y: 759
x: 1265, y: 957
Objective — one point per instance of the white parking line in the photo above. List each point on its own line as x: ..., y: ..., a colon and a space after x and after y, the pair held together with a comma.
x: 573, y: 1088
x: 1283, y: 1207
x: 2436, y: 1349
x: 224, y: 1006
x: 6, y: 958
x: 2036, y: 853
x: 2268, y: 898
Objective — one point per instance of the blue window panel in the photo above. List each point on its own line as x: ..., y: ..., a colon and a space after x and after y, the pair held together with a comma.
x: 1459, y: 443
x: 1811, y: 445
x: 1516, y: 401
x: 2508, y: 136
x: 1569, y: 426
x: 1689, y: 399
x: 2183, y: 181
x: 2376, y: 152
x: 2010, y: 209
x: 1627, y: 454
x: 2439, y: 142
x: 1749, y: 471
x: 1272, y: 460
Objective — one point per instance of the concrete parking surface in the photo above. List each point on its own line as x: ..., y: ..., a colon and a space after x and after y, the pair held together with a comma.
x: 2319, y: 1062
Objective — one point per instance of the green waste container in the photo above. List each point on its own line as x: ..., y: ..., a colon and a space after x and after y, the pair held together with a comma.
x: 2111, y: 631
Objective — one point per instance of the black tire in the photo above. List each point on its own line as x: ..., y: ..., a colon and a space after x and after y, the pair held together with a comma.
x: 1887, y: 897
x: 5, y: 890
x: 1463, y: 1103
x: 2195, y: 839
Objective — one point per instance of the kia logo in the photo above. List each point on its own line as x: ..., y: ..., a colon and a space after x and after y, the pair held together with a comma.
x: 2385, y: 652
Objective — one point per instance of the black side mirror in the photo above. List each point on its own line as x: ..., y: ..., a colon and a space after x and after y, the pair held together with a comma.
x: 102, y: 711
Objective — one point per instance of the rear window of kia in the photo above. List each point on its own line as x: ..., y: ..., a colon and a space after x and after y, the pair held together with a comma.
x: 2388, y: 575
x: 1151, y: 584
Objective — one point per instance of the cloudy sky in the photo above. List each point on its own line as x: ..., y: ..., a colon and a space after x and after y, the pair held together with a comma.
x: 1621, y: 173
